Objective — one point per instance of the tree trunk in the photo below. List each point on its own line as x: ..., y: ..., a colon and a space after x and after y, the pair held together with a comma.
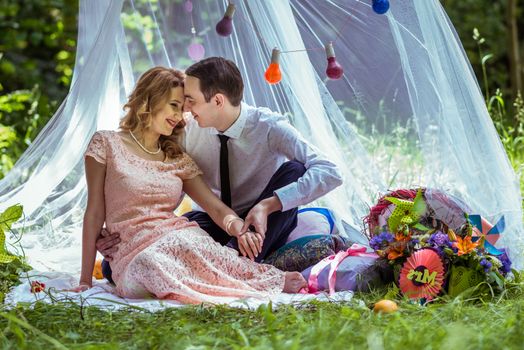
x: 514, y: 52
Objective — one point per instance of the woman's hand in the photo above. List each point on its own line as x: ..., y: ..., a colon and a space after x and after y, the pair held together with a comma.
x: 82, y: 287
x: 250, y: 244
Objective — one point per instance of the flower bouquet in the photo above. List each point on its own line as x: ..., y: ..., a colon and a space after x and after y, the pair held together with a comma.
x: 435, y: 246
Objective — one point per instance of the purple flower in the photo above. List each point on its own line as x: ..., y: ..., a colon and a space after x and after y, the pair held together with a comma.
x: 439, y: 239
x: 377, y: 242
x: 486, y: 265
x: 506, y: 263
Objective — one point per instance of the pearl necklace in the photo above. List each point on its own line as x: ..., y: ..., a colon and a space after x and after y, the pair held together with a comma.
x: 143, y: 148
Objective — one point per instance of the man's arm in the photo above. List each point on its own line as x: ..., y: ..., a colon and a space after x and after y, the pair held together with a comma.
x: 107, y: 244
x: 321, y: 176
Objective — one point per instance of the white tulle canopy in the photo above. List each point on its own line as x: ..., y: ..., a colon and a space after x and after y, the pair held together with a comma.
x: 407, y: 112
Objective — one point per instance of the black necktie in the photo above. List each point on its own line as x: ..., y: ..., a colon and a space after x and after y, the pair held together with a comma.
x: 225, y: 189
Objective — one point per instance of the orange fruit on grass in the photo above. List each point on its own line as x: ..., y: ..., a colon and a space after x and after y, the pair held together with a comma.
x: 385, y: 306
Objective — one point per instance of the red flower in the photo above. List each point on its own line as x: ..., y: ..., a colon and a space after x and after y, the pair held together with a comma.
x: 37, y: 287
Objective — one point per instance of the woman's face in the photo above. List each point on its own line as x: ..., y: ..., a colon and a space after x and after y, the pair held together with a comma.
x: 169, y: 114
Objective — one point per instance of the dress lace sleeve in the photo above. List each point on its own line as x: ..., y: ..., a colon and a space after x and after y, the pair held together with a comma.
x: 187, y: 168
x: 97, y: 148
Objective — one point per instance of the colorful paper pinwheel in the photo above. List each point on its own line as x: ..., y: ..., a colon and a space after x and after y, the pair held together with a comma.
x: 406, y: 212
x: 487, y: 233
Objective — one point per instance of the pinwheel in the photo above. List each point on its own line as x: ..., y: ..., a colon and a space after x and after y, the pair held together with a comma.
x: 406, y: 212
x: 487, y: 233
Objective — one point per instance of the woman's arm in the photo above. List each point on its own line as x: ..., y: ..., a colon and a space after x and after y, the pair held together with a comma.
x: 94, y: 217
x: 250, y: 245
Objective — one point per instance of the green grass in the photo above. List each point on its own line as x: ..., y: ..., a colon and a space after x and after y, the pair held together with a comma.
x: 446, y: 324
x: 458, y: 324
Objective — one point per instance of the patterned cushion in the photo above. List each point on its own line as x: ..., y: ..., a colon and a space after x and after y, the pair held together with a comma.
x: 306, y: 251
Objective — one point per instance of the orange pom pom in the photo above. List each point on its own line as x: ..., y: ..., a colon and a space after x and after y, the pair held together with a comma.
x: 97, y: 271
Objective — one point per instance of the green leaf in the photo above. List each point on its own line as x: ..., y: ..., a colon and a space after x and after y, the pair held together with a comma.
x: 421, y: 227
x: 392, y: 293
x: 10, y: 216
x: 486, y: 58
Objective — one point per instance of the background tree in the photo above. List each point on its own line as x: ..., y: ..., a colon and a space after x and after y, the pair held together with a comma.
x: 37, y: 54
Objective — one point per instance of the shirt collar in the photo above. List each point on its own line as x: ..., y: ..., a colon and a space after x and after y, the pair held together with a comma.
x: 235, y: 130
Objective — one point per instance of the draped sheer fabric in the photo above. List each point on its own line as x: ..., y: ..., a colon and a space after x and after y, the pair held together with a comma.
x: 408, y: 111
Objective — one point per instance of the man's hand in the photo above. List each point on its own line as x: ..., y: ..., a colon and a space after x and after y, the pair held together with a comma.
x: 107, y: 244
x: 257, y: 216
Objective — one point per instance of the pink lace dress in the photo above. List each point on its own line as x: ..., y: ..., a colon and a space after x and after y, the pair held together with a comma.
x: 163, y: 255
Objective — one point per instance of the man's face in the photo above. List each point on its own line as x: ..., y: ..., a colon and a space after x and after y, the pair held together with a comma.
x: 205, y: 113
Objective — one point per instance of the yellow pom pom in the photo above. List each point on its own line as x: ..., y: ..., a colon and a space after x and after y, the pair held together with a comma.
x: 184, y: 207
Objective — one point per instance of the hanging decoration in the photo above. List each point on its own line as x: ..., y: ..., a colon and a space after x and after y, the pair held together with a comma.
x: 273, y: 74
x: 334, y: 69
x: 380, y: 6
x: 188, y: 6
x: 195, y: 50
x: 225, y: 26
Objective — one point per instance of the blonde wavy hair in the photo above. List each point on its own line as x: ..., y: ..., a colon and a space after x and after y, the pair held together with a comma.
x: 151, y: 92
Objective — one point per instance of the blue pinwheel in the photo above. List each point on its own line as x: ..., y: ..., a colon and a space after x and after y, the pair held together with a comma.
x: 488, y: 233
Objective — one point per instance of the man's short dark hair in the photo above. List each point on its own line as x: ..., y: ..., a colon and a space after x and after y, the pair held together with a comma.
x: 218, y: 75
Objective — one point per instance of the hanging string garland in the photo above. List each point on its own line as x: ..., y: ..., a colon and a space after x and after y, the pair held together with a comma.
x: 273, y: 74
x: 195, y: 50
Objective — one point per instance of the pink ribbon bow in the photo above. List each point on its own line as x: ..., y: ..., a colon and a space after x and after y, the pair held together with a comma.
x: 334, y: 261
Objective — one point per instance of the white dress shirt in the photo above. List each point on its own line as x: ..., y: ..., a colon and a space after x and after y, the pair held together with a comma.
x: 260, y: 141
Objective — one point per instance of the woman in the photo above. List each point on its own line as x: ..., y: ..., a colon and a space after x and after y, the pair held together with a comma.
x: 135, y: 179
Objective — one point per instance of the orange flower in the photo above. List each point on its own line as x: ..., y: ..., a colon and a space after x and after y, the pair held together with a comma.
x: 396, y: 249
x: 402, y: 237
x: 395, y: 253
x: 464, y: 245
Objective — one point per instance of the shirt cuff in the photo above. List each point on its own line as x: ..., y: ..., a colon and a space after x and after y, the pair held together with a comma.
x: 288, y: 196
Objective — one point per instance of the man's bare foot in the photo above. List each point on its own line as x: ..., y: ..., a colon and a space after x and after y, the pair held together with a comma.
x: 294, y: 282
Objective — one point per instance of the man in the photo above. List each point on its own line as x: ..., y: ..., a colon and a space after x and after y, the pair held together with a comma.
x: 252, y: 158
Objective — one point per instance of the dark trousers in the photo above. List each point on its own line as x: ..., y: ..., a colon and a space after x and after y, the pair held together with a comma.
x: 279, y: 224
